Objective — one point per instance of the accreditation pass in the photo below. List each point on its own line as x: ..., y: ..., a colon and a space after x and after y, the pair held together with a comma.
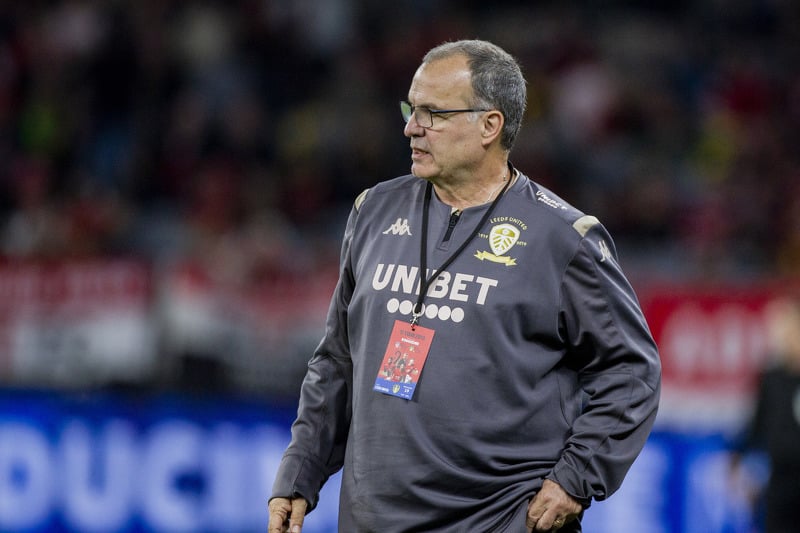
x: 404, y: 360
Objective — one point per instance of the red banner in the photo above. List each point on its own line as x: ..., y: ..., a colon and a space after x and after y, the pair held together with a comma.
x: 75, y: 322
x: 713, y: 343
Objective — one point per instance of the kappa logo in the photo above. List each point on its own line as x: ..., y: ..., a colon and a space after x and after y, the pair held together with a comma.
x: 502, y: 238
x: 605, y: 252
x: 400, y: 227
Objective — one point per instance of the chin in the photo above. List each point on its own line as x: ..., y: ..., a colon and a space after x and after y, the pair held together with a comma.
x: 420, y: 171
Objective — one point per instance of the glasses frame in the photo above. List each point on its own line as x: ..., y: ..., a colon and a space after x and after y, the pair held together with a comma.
x: 404, y: 105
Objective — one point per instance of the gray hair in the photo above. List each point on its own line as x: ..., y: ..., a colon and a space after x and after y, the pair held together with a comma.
x: 497, y: 81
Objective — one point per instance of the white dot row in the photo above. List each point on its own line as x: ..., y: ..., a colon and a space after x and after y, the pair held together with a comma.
x: 442, y: 312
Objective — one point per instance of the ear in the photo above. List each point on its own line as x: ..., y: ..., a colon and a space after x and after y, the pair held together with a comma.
x: 492, y: 126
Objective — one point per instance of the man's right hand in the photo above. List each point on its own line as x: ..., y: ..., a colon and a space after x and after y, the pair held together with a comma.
x: 286, y: 515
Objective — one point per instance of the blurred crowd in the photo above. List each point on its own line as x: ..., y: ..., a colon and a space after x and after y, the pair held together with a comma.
x: 235, y: 135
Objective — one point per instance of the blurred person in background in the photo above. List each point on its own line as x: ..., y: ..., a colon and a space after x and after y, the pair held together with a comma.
x: 775, y: 424
x: 536, y: 377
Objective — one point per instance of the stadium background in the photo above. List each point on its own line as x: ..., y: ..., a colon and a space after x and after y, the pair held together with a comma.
x: 175, y: 177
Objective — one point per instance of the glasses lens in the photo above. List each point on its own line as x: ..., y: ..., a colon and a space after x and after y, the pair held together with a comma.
x: 424, y: 117
x: 406, y: 110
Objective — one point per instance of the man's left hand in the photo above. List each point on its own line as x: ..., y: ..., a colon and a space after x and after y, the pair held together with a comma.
x: 551, y: 508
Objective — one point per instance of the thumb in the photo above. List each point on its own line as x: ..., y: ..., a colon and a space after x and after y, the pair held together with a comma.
x: 299, y: 506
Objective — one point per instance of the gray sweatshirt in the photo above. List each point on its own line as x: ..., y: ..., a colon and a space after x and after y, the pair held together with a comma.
x: 541, y: 366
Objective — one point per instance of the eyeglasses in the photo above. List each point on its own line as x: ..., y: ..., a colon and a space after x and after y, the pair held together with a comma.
x: 424, y: 115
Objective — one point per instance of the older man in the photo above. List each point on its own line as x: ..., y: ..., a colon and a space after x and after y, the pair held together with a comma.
x: 536, y: 378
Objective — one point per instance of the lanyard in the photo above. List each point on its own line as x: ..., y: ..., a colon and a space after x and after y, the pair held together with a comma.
x: 416, y: 312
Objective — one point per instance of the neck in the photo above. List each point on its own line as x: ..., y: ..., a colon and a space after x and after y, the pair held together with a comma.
x: 472, y: 192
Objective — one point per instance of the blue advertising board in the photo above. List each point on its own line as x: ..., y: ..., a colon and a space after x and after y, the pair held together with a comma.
x: 103, y: 462
x: 141, y: 463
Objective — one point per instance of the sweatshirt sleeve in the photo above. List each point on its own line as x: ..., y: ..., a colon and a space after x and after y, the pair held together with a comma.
x: 319, y: 433
x: 618, y: 367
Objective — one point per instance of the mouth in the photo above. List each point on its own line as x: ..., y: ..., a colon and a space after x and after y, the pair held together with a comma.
x: 416, y: 153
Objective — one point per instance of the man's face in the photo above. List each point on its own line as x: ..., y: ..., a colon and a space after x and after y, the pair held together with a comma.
x: 451, y: 148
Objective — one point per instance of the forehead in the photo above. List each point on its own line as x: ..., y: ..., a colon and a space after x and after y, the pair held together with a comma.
x: 443, y: 81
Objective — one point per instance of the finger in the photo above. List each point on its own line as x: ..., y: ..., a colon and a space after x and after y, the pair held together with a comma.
x: 535, y: 511
x: 278, y: 512
x: 552, y: 521
x: 537, y: 520
x: 542, y: 520
x: 276, y: 524
x: 299, y: 506
x: 531, y: 520
x: 542, y: 512
x: 546, y: 523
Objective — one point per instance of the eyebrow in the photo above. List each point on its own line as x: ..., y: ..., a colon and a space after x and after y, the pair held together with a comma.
x: 427, y: 104
x: 430, y: 107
